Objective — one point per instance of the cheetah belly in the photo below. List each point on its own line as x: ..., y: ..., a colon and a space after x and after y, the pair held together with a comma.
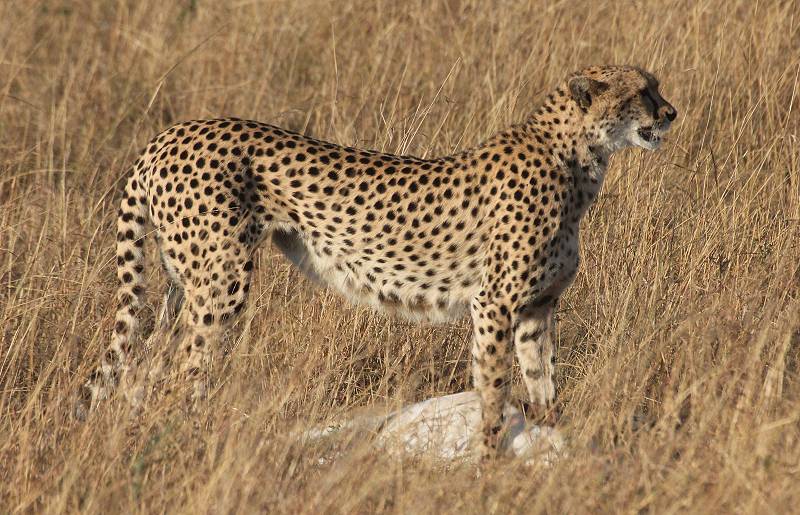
x: 348, y: 275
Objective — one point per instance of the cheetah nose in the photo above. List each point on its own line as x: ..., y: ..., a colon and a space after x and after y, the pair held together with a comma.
x: 667, y: 111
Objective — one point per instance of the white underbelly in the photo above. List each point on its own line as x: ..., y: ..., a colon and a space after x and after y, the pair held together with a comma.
x: 410, y: 294
x: 409, y: 300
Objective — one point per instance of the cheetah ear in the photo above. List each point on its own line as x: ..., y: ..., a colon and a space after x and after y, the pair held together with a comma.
x: 583, y: 89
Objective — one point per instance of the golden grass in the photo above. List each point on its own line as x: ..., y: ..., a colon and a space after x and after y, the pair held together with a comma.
x: 679, y: 341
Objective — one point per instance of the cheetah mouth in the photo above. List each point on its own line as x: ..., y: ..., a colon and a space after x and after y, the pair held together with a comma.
x: 647, y: 134
x: 649, y: 137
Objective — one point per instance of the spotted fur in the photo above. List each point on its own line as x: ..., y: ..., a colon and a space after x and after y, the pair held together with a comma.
x: 492, y: 231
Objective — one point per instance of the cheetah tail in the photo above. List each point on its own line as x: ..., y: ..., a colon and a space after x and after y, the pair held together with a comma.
x: 131, y: 225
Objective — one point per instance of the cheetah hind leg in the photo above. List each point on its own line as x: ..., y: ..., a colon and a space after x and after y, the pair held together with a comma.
x: 168, y: 332
x: 168, y: 326
x: 171, y: 306
x: 210, y: 308
x: 151, y: 370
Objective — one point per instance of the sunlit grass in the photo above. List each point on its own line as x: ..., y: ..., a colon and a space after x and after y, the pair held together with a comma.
x: 678, y: 342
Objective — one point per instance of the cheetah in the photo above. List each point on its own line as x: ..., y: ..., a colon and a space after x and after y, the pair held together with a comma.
x: 492, y: 231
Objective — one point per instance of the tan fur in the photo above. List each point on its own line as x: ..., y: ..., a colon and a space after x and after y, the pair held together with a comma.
x: 492, y: 230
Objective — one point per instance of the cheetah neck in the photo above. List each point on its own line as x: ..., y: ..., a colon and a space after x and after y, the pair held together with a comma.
x: 558, y: 124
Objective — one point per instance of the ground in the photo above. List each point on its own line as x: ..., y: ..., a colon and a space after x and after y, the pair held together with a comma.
x: 678, y: 342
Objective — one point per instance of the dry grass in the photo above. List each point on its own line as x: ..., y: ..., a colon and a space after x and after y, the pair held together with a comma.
x: 679, y: 341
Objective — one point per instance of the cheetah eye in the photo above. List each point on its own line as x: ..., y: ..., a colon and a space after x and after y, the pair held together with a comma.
x: 647, y: 97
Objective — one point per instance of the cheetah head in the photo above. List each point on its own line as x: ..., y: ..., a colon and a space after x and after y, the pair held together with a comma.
x: 621, y: 107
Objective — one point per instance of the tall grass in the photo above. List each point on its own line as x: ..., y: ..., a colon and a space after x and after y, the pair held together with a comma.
x: 679, y: 341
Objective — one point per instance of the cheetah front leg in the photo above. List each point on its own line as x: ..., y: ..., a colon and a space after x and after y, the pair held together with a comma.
x: 536, y: 352
x: 491, y: 367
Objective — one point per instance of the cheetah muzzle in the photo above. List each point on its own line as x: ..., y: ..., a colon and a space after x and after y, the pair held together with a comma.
x: 492, y: 231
